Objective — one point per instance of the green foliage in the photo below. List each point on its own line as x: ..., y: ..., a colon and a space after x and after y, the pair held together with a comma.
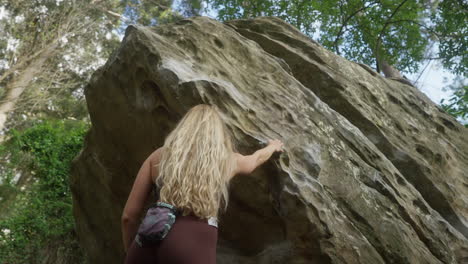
x: 359, y: 30
x: 149, y: 13
x: 397, y: 31
x: 365, y: 31
x: 62, y: 43
x: 43, y: 212
x: 451, y: 20
x: 188, y: 8
x: 457, y: 105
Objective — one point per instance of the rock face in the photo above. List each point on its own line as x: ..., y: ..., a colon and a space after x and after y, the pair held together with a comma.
x: 373, y: 171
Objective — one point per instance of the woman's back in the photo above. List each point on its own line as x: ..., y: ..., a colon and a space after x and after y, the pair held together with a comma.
x: 190, y: 240
x: 191, y: 172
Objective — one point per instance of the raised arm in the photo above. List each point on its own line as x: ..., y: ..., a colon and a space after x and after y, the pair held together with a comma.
x: 247, y: 164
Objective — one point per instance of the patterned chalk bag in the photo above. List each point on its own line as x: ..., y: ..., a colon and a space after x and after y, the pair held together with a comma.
x: 156, y: 224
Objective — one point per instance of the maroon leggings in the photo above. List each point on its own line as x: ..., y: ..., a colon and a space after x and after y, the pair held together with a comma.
x: 190, y: 241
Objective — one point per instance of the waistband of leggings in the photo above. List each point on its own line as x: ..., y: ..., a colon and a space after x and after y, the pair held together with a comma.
x: 213, y: 221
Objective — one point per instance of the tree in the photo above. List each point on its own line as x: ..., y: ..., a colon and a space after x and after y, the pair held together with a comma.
x: 49, y: 50
x: 450, y: 18
x: 154, y: 12
x: 189, y: 8
x: 393, y: 35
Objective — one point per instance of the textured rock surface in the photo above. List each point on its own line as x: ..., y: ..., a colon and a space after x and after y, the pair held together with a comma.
x: 373, y: 171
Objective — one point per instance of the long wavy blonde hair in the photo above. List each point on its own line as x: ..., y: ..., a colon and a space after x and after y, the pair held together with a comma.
x: 196, y: 162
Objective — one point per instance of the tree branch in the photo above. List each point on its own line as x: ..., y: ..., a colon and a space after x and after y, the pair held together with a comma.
x: 379, y: 39
x: 345, y: 23
x: 433, y: 58
x: 417, y: 23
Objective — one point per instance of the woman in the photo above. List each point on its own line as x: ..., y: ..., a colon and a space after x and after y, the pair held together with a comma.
x: 192, y: 171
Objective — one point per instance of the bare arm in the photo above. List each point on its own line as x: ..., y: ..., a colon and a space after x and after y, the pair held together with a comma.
x: 247, y: 164
x: 135, y: 204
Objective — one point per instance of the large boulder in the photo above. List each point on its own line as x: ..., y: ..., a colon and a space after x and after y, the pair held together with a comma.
x: 373, y: 171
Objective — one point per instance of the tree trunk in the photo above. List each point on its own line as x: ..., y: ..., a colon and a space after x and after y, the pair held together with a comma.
x: 389, y: 71
x: 19, y: 83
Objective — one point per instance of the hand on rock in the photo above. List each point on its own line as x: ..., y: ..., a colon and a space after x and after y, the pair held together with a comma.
x: 277, y: 144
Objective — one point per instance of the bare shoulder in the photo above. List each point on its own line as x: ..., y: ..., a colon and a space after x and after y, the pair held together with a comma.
x: 157, y: 153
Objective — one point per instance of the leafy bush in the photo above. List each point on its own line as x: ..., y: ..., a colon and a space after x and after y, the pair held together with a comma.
x: 42, y: 213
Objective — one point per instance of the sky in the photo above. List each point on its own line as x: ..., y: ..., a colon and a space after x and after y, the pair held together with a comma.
x: 431, y: 81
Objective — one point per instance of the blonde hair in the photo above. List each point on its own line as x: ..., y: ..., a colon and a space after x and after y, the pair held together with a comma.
x: 196, y: 162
